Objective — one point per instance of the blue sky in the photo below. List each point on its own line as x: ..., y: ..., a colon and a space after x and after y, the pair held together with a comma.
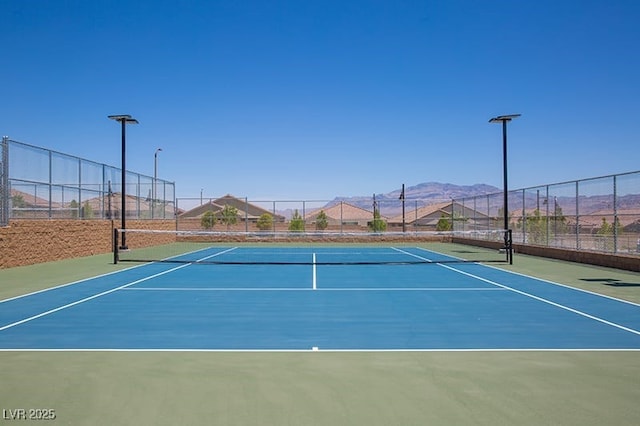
x: 315, y: 99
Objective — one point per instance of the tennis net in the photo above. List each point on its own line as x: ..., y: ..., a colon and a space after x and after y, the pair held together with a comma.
x: 142, y: 245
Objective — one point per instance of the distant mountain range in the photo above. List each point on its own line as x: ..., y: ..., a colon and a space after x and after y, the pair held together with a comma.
x: 422, y: 194
x: 434, y: 192
x: 427, y: 193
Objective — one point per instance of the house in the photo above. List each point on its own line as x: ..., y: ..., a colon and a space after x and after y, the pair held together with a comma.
x: 246, y: 210
x: 427, y: 217
x: 30, y: 204
x: 342, y: 214
x: 628, y: 219
x: 105, y: 205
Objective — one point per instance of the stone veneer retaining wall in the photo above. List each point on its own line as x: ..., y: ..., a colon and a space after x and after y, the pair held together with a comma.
x: 26, y: 242
x: 630, y: 262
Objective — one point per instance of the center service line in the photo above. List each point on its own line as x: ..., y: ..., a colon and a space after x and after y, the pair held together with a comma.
x: 314, y: 271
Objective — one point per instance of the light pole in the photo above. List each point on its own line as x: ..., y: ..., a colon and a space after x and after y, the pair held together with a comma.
x: 404, y: 223
x: 504, y: 119
x: 124, y: 120
x: 154, y: 189
x: 4, y: 181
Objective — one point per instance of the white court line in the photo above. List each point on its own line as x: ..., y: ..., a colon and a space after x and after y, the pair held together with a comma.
x: 318, y: 289
x: 412, y: 255
x: 540, y: 299
x: 77, y: 302
x: 564, y: 285
x: 92, y: 278
x: 412, y: 289
x: 606, y: 296
x: 214, y: 255
x: 218, y: 289
x: 582, y: 290
x: 471, y: 350
x: 315, y: 280
x: 71, y: 283
x: 51, y: 311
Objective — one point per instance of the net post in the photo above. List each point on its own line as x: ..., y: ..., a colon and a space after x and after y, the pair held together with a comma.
x: 508, y: 245
x: 115, y: 246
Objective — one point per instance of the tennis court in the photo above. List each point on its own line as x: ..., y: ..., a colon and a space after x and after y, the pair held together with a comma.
x: 322, y: 334
x: 317, y: 298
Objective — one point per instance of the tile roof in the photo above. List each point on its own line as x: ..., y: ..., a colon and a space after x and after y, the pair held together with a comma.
x: 344, y: 211
x: 245, y: 208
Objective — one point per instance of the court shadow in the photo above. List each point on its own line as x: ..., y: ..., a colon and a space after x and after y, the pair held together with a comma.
x: 611, y: 282
x: 465, y: 251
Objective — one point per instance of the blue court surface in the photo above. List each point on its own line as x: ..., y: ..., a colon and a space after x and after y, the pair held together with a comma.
x: 316, y: 303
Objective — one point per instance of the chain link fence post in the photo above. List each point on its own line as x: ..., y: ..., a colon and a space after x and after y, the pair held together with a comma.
x: 5, y: 194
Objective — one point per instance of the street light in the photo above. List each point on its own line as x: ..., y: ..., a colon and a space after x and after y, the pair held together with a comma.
x: 504, y: 119
x: 124, y: 119
x: 155, y: 182
x: 404, y: 223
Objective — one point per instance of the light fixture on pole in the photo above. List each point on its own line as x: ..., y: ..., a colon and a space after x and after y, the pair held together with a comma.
x: 504, y: 119
x: 154, y: 189
x: 123, y: 119
x: 404, y: 223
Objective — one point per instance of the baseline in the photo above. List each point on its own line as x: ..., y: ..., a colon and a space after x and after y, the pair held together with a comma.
x: 318, y: 349
x: 258, y: 289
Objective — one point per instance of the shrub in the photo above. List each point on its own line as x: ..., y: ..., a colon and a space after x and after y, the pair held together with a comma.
x: 321, y: 221
x: 208, y: 220
x: 229, y: 215
x: 265, y: 222
x: 297, y: 223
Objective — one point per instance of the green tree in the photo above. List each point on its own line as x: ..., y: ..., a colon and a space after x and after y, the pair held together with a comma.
x: 265, y: 222
x: 229, y: 215
x: 619, y: 227
x: 87, y: 211
x: 536, y: 228
x: 208, y: 220
x: 297, y: 223
x: 499, y: 219
x: 606, y: 233
x: 321, y: 221
x: 605, y: 228
x: 73, y: 204
x: 18, y: 201
x: 378, y: 224
x: 558, y: 221
x: 444, y: 223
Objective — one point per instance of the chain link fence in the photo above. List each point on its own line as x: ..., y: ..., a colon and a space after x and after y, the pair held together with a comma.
x: 4, y: 182
x: 599, y: 214
x: 359, y: 214
x: 45, y: 184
